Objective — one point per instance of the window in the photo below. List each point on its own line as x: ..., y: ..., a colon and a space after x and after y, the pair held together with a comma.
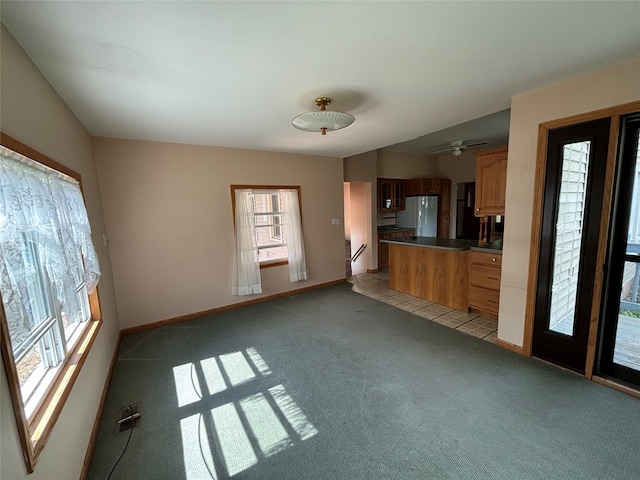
x: 48, y: 276
x: 268, y: 228
x: 268, y: 232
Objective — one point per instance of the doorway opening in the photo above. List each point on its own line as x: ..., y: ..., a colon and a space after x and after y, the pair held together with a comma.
x: 357, y: 227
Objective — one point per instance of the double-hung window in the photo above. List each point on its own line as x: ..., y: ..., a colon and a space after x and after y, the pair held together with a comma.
x: 268, y: 212
x: 268, y: 232
x: 49, y: 270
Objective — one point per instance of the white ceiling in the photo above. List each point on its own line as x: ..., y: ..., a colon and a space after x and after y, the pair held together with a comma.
x: 234, y: 74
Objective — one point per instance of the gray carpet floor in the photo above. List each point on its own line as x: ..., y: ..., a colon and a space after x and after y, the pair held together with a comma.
x: 330, y: 384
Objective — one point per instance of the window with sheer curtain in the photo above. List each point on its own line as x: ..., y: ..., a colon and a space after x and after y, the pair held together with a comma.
x: 48, y: 272
x: 268, y: 229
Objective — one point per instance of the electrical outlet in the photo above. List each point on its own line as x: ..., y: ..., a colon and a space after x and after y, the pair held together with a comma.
x: 335, y: 221
x: 129, y: 417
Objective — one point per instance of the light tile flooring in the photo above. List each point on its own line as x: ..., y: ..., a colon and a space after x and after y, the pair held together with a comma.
x: 376, y: 285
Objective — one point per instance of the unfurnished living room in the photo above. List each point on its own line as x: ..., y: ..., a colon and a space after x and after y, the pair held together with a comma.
x: 319, y: 240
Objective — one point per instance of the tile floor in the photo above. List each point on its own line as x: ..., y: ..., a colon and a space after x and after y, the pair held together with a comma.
x: 376, y: 285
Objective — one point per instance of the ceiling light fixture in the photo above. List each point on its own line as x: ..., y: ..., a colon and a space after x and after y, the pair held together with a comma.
x: 324, y: 120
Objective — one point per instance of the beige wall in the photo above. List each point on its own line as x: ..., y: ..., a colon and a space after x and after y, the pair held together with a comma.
x: 33, y: 113
x: 406, y: 165
x: 606, y: 88
x: 170, y: 224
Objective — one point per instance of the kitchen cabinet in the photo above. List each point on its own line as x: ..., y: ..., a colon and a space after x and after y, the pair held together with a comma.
x: 439, y: 275
x: 383, y: 248
x: 484, y: 282
x: 391, y: 194
x: 491, y: 181
x: 425, y: 186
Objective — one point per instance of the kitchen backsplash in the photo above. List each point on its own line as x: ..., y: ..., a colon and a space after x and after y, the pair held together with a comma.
x: 386, y: 218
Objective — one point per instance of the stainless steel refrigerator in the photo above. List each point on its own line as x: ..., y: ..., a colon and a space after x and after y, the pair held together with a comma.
x: 420, y: 213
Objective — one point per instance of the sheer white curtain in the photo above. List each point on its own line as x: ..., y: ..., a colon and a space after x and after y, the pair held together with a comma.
x: 293, y: 233
x: 43, y: 225
x: 246, y: 267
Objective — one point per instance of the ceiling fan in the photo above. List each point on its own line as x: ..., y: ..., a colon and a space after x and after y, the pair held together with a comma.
x: 457, y: 147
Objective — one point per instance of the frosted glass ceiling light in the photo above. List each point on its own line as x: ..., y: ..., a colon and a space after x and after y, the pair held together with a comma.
x: 324, y: 120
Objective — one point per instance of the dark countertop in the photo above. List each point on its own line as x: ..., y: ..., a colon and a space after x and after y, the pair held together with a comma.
x: 493, y: 247
x: 393, y: 228
x: 432, y: 242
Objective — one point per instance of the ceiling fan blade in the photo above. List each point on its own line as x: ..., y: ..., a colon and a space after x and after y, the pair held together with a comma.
x: 441, y: 151
x: 476, y: 144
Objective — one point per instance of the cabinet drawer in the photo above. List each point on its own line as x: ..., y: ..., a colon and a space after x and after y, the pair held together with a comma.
x: 484, y: 299
x: 486, y: 258
x: 485, y: 276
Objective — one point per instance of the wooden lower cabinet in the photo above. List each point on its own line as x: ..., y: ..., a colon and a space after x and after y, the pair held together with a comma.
x: 484, y: 282
x: 434, y: 274
x: 383, y: 248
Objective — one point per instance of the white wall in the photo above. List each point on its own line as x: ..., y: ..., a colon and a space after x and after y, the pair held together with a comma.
x: 170, y: 222
x: 34, y: 114
x: 602, y: 89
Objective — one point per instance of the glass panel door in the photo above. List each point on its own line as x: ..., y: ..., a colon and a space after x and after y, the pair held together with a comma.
x: 626, y: 350
x: 620, y: 335
x: 568, y: 236
x: 574, y: 185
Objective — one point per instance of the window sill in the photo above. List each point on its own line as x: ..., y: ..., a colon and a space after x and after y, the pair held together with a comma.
x: 34, y: 436
x: 273, y: 263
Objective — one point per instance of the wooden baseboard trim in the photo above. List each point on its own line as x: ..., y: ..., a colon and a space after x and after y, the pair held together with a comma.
x: 484, y: 313
x: 98, y: 419
x: 617, y: 386
x: 509, y: 346
x: 224, y: 308
x: 373, y: 270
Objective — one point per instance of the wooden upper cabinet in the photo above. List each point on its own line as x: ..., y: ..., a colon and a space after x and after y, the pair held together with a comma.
x: 425, y: 186
x: 436, y: 186
x: 491, y: 181
x: 391, y: 194
x: 399, y: 194
x: 385, y: 194
x: 414, y: 186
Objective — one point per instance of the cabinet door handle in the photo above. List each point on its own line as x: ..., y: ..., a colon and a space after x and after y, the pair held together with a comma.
x: 493, y: 259
x: 477, y: 209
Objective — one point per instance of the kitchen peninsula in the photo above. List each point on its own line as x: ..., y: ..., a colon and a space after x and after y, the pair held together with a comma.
x: 435, y: 269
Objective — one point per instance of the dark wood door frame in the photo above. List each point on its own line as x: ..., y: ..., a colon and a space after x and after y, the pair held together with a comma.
x: 617, y: 254
x: 538, y: 203
x: 570, y: 351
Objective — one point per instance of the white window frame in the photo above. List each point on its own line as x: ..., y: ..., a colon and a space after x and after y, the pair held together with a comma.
x: 36, y: 415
